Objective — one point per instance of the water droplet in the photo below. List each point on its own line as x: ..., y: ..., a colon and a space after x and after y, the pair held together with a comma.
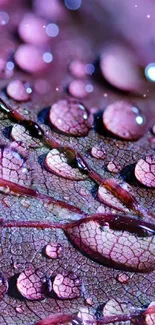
x: 19, y: 309
x: 67, y: 286
x: 150, y: 317
x: 32, y: 29
x: 120, y: 69
x: 53, y: 250
x: 98, y: 152
x: 86, y: 316
x: 116, y: 307
x: 31, y: 284
x: 77, y: 68
x: 113, y: 167
x: 18, y: 90
x: 30, y: 58
x: 61, y: 164
x: 77, y: 88
x: 124, y: 120
x: 145, y: 171
x: 70, y: 117
x: 89, y: 301
x: 122, y: 278
x: 153, y: 129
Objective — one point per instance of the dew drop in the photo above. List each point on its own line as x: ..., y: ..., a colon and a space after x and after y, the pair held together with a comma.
x: 119, y: 68
x: 31, y: 29
x: 32, y: 285
x: 18, y: 90
x: 60, y: 163
x: 150, y: 317
x: 113, y: 167
x: 122, y: 278
x: 98, y: 152
x: 124, y: 120
x: 153, y: 129
x: 29, y: 58
x: 19, y: 309
x: 71, y: 117
x: 3, y: 286
x: 86, y: 316
x: 67, y: 286
x: 53, y: 250
x: 116, y: 307
x: 145, y: 171
x: 77, y: 88
x: 77, y: 69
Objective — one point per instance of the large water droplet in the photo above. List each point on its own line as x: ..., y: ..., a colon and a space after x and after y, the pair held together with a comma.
x: 67, y: 286
x: 145, y: 171
x: 32, y: 284
x: 124, y: 120
x: 60, y: 163
x: 71, y: 117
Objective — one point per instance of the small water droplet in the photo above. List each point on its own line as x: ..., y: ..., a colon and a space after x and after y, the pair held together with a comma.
x: 53, y: 250
x: 19, y: 309
x: 122, y: 278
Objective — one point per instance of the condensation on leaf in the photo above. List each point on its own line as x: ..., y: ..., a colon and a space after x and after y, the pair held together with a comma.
x: 71, y: 117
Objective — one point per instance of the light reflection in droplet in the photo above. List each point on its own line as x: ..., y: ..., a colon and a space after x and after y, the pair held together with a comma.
x: 52, y: 30
x: 89, y: 88
x: 139, y: 120
x: 150, y: 72
x: 4, y: 18
x: 47, y: 57
x: 10, y: 65
x: 89, y: 68
x: 73, y: 4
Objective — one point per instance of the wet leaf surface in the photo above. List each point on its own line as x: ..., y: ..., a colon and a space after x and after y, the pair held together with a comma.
x: 109, y: 258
